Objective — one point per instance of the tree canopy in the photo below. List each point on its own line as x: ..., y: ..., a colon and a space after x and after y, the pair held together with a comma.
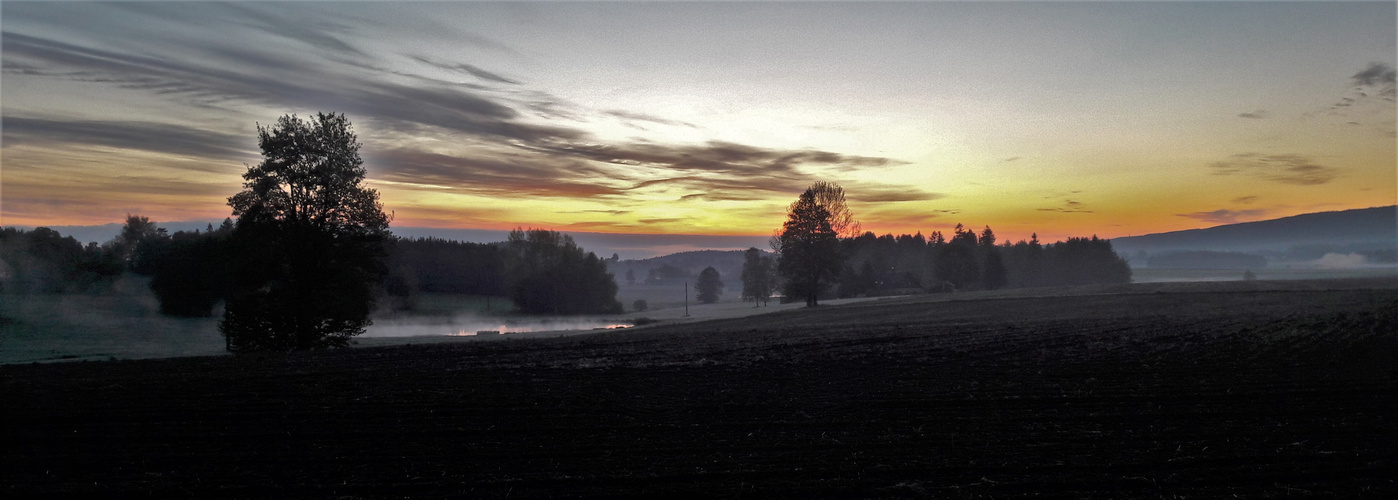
x: 831, y: 197
x: 309, y: 241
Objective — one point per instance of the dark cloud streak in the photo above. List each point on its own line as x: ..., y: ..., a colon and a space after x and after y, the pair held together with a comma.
x: 145, y: 136
x: 466, y: 68
x: 1377, y: 75
x: 1225, y: 216
x: 1291, y: 169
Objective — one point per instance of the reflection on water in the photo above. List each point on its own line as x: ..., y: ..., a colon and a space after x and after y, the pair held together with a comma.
x: 505, y: 329
x: 470, y: 326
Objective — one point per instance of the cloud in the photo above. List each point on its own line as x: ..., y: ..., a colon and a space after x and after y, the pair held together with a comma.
x: 890, y: 194
x: 720, y: 197
x: 1225, y: 216
x: 1068, y: 207
x: 642, y: 117
x: 715, y: 157
x: 312, y: 32
x: 1378, y: 76
x: 1256, y: 115
x: 609, y: 212
x: 466, y: 68
x: 661, y: 220
x: 145, y: 136
x: 902, y: 219
x: 506, y: 176
x: 271, y: 79
x: 1245, y: 200
x: 1373, y: 83
x: 1291, y: 169
x: 500, y: 148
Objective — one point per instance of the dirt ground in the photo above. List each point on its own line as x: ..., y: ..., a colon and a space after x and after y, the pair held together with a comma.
x: 1139, y: 391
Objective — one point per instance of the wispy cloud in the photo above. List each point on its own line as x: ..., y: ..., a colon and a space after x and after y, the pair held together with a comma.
x: 1225, y: 216
x: 287, y: 83
x: 643, y: 117
x: 715, y: 157
x: 1284, y: 168
x: 1376, y: 82
x: 314, y: 32
x: 890, y: 194
x: 609, y: 212
x: 1246, y: 200
x: 493, y: 136
x: 1068, y: 207
x: 1378, y: 78
x: 465, y: 68
x: 903, y: 219
x: 507, y: 175
x: 144, y: 136
x: 1256, y: 115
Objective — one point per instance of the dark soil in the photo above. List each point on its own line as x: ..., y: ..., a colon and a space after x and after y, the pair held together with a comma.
x: 1197, y: 393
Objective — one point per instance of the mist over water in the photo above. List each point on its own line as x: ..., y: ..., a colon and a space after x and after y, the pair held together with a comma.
x: 1341, y: 261
x: 470, y: 324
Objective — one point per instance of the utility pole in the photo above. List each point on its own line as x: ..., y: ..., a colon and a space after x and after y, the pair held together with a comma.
x: 686, y: 299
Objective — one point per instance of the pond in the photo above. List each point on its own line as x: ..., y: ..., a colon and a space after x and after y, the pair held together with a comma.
x: 465, y: 326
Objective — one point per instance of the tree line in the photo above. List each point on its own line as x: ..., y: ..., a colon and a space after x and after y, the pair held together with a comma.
x: 818, y: 257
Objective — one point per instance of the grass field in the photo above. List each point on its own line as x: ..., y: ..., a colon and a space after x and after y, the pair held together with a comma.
x: 1202, y: 390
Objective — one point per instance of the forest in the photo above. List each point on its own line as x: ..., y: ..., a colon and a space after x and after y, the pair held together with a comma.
x: 190, y: 274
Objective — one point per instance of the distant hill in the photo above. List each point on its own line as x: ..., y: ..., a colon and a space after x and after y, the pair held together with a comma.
x: 1372, y: 232
x: 728, y: 263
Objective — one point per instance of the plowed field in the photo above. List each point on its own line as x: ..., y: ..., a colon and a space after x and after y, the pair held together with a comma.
x: 1185, y: 392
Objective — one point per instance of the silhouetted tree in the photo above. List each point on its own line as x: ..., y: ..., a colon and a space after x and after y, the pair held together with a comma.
x: 759, y: 280
x: 809, y: 249
x: 546, y: 272
x: 709, y: 286
x: 193, y: 273
x: 630, y: 276
x: 140, y: 244
x: 956, y: 261
x: 640, y: 305
x: 309, y: 242
x: 993, y: 273
x: 831, y: 197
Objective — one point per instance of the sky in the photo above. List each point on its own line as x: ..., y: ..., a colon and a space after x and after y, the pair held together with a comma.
x: 1061, y: 119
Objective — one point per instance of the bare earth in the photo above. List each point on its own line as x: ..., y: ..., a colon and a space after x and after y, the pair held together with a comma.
x: 1143, y: 391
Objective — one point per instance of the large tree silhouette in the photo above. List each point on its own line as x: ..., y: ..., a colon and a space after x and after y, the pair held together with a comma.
x: 809, y: 249
x: 308, y: 241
